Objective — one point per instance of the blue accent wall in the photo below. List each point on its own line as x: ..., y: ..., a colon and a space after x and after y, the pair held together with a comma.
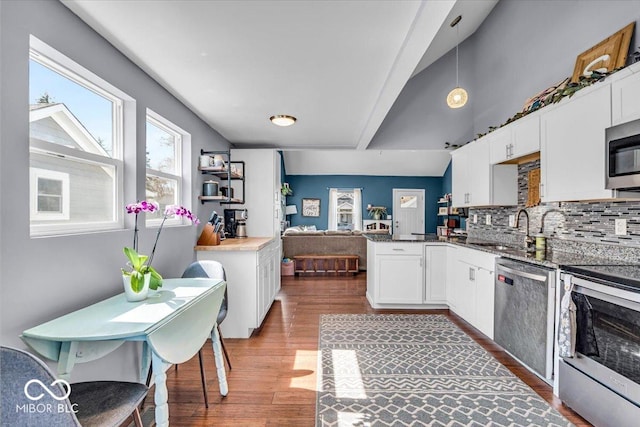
x: 447, y: 179
x: 376, y: 190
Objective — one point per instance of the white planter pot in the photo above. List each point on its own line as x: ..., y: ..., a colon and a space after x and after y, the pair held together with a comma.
x: 135, y: 296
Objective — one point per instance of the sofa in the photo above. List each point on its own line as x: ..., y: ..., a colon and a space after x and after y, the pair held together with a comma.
x: 319, y: 242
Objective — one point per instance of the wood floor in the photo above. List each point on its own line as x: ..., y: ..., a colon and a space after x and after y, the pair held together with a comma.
x: 273, y: 379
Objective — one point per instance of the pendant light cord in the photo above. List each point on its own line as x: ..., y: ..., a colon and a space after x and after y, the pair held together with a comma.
x: 457, y: 43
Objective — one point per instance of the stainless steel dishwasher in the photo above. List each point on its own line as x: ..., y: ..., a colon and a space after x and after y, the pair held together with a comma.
x: 524, y: 313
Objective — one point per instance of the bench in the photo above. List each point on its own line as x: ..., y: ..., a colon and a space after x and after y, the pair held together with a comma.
x: 318, y: 264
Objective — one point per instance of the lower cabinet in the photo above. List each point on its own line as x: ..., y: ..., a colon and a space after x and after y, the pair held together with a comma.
x: 406, y: 274
x: 435, y: 274
x: 473, y: 288
x: 253, y: 280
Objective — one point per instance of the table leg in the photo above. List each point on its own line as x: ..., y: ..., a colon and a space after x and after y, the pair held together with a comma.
x: 161, y: 394
x: 67, y: 359
x: 217, y: 354
x: 145, y: 364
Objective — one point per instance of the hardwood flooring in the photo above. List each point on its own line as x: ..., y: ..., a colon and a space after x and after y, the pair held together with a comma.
x: 273, y: 379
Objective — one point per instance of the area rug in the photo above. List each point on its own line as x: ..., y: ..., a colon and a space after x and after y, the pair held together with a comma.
x: 417, y: 370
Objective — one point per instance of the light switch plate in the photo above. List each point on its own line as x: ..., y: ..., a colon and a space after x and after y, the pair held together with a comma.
x: 512, y: 220
x: 475, y: 218
x: 621, y: 227
x: 487, y: 219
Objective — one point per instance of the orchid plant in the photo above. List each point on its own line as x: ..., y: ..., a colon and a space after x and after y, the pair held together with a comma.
x: 141, y: 264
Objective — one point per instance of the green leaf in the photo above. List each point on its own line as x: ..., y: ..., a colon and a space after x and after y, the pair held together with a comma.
x: 137, y: 281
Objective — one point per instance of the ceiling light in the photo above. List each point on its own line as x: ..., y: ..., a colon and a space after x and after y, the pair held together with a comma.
x: 458, y: 96
x: 282, y: 120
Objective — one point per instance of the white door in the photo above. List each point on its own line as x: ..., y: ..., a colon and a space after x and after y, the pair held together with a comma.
x: 408, y: 211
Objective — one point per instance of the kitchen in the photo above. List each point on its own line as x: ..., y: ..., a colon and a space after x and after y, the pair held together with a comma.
x: 497, y: 99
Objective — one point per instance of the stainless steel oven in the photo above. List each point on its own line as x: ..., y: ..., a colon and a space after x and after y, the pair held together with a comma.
x: 602, y: 381
x: 623, y: 157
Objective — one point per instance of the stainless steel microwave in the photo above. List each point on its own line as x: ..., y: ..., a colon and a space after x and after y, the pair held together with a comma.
x: 623, y: 156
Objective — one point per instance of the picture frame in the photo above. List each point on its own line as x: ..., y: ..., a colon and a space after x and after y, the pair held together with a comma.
x: 606, y: 56
x: 311, y: 207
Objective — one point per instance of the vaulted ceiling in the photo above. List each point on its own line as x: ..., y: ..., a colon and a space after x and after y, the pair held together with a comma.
x: 338, y: 66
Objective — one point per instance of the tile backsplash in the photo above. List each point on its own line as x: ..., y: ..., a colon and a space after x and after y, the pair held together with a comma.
x: 566, y: 224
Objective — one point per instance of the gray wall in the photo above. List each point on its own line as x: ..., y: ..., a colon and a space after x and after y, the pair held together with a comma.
x: 41, y: 278
x: 523, y: 47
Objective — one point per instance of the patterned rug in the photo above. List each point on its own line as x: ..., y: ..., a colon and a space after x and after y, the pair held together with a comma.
x: 417, y: 370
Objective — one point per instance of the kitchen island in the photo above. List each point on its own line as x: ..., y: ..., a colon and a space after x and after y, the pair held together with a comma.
x: 252, y: 266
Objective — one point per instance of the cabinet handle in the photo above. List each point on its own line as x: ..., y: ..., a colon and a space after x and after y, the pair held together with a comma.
x: 541, y: 189
x: 397, y: 249
x: 472, y: 274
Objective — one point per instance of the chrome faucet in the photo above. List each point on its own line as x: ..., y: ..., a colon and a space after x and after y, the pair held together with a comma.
x: 528, y: 240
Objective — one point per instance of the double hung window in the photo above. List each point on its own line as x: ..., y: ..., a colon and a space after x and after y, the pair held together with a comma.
x: 75, y: 146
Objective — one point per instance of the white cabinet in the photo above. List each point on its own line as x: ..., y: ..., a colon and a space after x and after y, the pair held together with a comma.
x: 262, y: 183
x: 475, y: 182
x: 398, y: 273
x: 515, y: 140
x: 253, y: 280
x: 625, y: 94
x: 473, y: 288
x: 573, y: 147
x: 435, y: 274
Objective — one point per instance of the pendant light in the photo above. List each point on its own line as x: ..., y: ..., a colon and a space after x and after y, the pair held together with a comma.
x: 458, y: 96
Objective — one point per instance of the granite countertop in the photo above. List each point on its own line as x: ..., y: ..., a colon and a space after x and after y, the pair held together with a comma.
x: 548, y: 258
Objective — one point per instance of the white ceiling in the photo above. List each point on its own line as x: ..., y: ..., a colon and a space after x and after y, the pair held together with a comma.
x: 338, y: 66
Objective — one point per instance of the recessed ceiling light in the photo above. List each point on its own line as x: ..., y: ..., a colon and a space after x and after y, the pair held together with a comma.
x: 282, y: 120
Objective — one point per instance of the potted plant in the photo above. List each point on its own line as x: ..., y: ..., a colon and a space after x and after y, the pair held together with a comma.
x: 136, y: 282
x: 286, y: 190
x: 377, y: 212
x: 142, y: 275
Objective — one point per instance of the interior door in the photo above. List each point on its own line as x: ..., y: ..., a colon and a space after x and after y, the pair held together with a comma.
x: 408, y: 211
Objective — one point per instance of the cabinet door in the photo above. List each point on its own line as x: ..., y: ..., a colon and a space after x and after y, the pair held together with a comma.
x: 435, y: 274
x: 465, y: 289
x: 484, y: 301
x: 526, y: 136
x: 500, y: 144
x: 399, y: 279
x: 480, y: 171
x: 624, y: 99
x: 459, y: 177
x: 572, y: 148
x: 452, y: 277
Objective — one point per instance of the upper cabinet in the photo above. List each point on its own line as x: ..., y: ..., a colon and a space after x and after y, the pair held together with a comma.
x: 515, y: 140
x: 476, y: 182
x: 572, y: 147
x: 625, y: 94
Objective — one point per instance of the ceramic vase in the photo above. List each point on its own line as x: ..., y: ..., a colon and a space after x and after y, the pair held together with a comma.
x: 135, y: 296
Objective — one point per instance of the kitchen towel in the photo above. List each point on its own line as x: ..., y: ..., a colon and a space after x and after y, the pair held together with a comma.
x: 567, y: 332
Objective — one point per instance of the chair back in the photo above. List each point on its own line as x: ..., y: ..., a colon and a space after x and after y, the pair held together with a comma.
x: 29, y: 394
x: 212, y: 270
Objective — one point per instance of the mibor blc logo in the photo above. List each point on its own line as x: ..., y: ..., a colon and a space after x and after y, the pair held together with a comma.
x: 35, y: 390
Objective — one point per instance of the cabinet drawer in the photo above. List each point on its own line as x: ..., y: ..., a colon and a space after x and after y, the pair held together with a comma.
x: 398, y: 249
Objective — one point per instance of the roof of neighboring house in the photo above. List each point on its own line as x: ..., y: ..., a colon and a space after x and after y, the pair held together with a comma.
x: 69, y: 124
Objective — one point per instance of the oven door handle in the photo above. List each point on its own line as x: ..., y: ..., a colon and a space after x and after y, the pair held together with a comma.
x: 532, y: 276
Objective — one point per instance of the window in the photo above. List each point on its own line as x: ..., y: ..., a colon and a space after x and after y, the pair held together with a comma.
x: 50, y: 194
x: 345, y: 209
x: 164, y: 180
x: 75, y: 146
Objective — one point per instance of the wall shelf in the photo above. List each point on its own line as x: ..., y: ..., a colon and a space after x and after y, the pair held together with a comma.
x: 229, y: 171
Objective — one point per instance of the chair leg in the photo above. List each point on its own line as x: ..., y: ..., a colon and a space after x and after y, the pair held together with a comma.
x: 204, y: 380
x: 224, y: 349
x: 136, y: 418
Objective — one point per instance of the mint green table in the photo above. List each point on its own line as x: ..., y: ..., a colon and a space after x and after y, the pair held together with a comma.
x: 173, y: 325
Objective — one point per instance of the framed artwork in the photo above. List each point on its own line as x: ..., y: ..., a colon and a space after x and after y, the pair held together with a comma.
x: 310, y: 207
x: 609, y: 54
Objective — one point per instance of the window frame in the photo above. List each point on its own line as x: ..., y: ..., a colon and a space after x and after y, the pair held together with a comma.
x: 50, y: 58
x: 182, y: 143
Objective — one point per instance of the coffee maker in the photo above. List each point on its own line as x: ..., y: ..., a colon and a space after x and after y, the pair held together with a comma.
x: 235, y: 223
